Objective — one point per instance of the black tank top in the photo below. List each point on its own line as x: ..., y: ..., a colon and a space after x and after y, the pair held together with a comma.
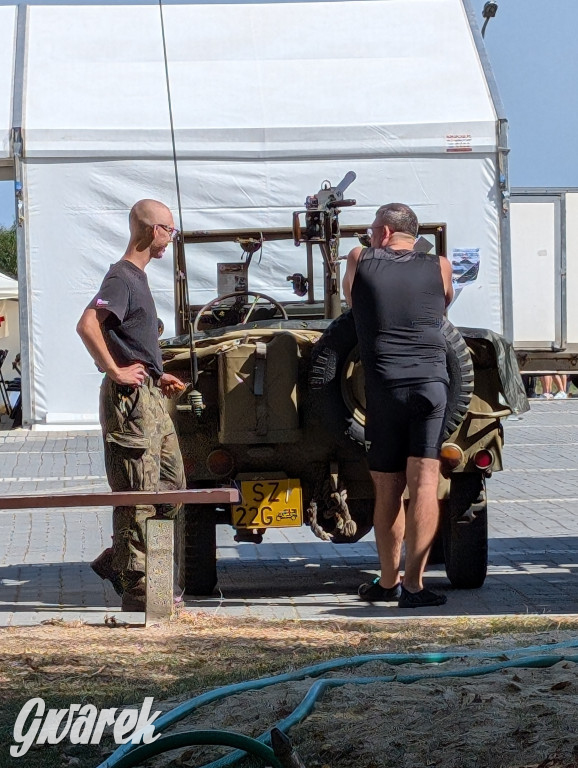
x: 398, y: 302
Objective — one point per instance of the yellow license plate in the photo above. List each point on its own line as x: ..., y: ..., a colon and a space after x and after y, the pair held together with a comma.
x: 269, y: 504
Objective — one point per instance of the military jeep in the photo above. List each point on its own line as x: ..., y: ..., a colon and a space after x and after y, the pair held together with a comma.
x: 275, y: 405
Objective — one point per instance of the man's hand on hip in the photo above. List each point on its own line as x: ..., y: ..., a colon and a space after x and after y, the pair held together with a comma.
x: 170, y: 385
x: 132, y: 375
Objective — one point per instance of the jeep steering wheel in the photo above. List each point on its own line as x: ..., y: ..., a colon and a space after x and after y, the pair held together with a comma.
x: 257, y: 295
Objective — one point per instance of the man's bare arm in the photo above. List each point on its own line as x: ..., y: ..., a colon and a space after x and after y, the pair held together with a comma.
x: 350, y: 270
x: 446, y: 269
x: 90, y: 331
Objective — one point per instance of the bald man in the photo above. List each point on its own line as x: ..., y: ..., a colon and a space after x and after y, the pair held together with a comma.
x: 120, y: 330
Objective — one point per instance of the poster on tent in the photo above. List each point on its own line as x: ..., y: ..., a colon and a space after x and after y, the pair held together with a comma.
x: 465, y: 268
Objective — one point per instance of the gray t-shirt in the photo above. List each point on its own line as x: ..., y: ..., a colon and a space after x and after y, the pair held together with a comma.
x: 131, y: 328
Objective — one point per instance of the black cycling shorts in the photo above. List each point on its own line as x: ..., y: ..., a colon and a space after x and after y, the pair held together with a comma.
x: 403, y: 421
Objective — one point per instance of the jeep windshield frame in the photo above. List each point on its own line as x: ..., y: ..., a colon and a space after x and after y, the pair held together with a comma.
x: 185, y: 312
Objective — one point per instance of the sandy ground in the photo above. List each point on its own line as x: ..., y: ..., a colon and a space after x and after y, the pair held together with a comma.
x: 510, y: 718
x: 505, y: 719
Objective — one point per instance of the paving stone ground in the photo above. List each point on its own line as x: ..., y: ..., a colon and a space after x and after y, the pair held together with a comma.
x: 533, y: 522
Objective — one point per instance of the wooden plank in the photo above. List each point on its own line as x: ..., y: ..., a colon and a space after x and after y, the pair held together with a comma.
x: 121, y: 498
x: 159, y: 532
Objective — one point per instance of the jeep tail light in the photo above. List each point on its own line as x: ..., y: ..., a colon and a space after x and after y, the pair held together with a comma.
x: 451, y: 455
x: 484, y: 459
x: 220, y: 463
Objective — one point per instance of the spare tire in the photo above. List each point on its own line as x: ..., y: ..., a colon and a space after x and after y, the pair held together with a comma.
x: 336, y: 380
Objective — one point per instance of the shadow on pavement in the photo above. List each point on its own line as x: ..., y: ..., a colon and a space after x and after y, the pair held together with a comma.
x: 54, y: 586
x: 526, y: 575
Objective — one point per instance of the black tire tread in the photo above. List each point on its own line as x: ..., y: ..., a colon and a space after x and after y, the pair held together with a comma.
x: 196, y: 544
x: 463, y: 369
x: 328, y: 358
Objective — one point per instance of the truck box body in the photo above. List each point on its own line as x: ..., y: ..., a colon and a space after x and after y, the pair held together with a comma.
x: 544, y: 245
x: 268, y: 100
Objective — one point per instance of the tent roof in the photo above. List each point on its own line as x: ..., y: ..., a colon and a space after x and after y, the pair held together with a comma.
x: 256, y: 80
x: 7, y: 46
x: 8, y: 287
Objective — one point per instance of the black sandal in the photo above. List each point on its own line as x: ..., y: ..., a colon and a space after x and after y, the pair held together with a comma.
x: 425, y: 598
x: 375, y: 593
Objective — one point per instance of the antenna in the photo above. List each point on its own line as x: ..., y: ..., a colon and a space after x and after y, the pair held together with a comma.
x: 194, y: 397
x: 174, y: 146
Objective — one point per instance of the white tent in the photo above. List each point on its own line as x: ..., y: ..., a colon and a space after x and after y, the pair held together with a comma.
x: 7, y: 47
x: 9, y: 322
x: 268, y: 100
x: 8, y: 287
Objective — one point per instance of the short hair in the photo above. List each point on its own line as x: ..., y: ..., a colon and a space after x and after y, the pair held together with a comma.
x: 143, y: 215
x: 399, y: 218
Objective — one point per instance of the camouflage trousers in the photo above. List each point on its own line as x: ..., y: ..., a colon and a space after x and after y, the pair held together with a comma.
x: 141, y: 453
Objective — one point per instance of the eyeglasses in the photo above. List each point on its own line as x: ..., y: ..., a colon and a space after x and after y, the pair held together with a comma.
x: 172, y: 231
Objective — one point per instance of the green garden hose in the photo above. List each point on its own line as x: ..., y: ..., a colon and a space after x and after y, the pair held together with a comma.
x: 197, y: 738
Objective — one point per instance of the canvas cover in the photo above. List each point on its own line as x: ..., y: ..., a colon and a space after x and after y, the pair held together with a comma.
x: 268, y: 101
x: 258, y: 392
x: 513, y: 391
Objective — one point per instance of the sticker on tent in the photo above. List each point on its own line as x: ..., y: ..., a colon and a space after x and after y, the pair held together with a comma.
x: 458, y: 142
x: 465, y: 266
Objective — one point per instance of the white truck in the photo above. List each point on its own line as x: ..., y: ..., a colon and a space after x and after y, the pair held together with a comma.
x: 544, y: 236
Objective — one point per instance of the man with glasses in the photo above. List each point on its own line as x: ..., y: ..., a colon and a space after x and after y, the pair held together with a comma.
x: 120, y: 330
x: 398, y: 297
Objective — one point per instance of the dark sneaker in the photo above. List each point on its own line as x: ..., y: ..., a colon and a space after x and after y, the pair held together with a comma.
x: 423, y: 599
x: 138, y: 603
x: 102, y: 566
x: 375, y: 593
x: 135, y: 598
x: 134, y: 595
x: 133, y: 602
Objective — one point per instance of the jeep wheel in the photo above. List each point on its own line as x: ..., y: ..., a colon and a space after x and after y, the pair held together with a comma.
x: 337, y: 385
x: 196, y: 548
x: 465, y: 531
x: 328, y: 358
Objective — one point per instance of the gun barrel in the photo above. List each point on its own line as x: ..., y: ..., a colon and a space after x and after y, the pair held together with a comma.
x: 348, y: 179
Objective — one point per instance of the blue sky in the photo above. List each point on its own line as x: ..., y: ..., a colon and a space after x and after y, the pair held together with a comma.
x: 532, y: 49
